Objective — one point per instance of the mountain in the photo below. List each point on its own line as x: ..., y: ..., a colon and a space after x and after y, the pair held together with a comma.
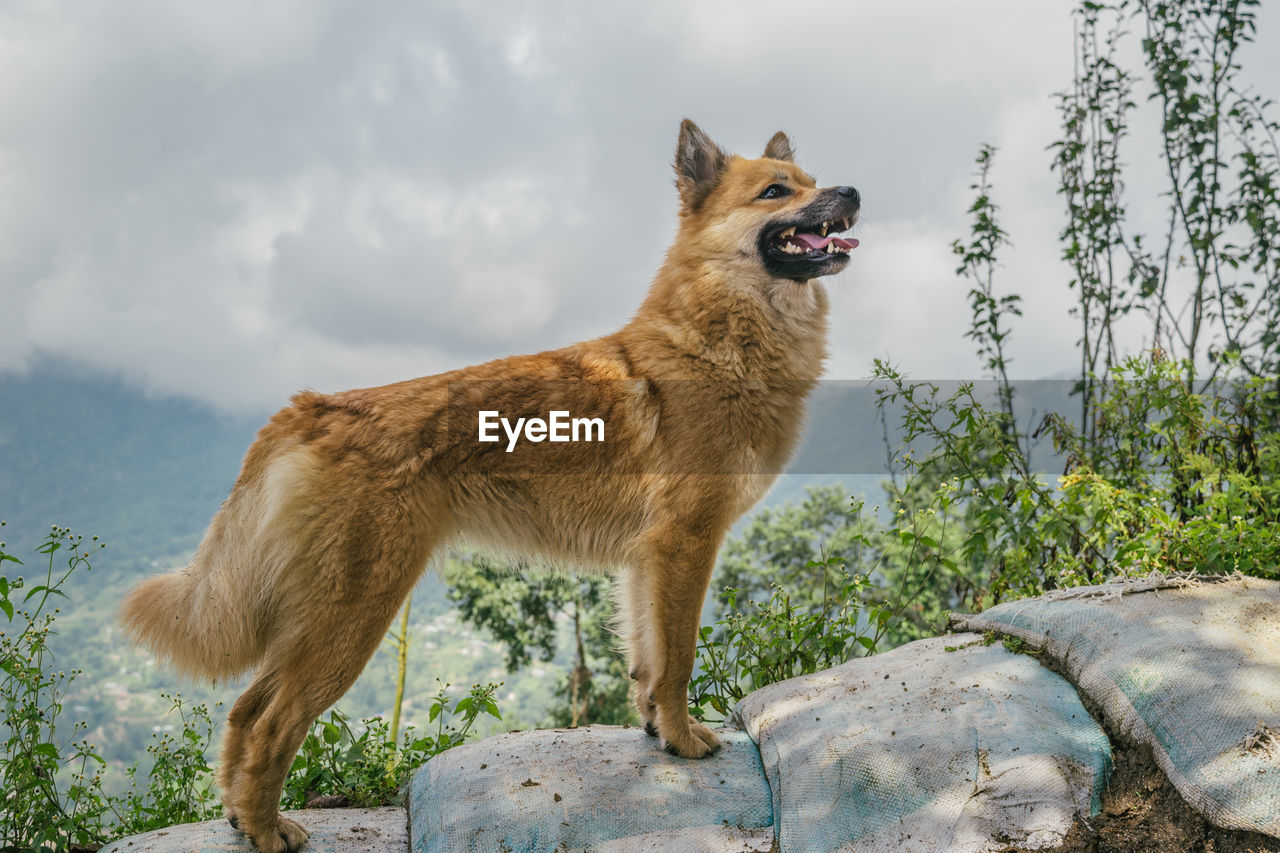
x: 89, y: 452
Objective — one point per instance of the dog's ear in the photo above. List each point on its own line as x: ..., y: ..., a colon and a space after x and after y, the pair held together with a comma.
x: 699, y: 163
x: 779, y: 148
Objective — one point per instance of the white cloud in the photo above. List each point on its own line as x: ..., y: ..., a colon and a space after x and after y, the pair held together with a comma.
x: 237, y: 200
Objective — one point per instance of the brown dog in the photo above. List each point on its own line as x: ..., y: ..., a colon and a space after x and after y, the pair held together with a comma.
x: 682, y: 419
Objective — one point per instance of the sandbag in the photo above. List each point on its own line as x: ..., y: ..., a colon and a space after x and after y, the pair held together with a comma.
x: 1189, y: 666
x: 599, y: 788
x: 381, y: 830
x: 943, y: 744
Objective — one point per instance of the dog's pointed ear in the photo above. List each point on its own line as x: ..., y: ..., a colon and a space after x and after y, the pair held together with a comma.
x: 699, y: 164
x: 779, y: 148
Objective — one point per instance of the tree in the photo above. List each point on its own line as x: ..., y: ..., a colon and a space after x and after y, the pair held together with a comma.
x: 523, y: 610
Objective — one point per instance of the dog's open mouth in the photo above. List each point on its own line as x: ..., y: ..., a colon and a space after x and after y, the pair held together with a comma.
x: 813, y: 241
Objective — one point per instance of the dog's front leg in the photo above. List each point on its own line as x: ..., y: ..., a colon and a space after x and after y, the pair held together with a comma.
x: 665, y: 599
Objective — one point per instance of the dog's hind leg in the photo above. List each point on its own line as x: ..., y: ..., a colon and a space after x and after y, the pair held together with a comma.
x: 268, y: 723
x: 244, y: 713
x: 322, y: 642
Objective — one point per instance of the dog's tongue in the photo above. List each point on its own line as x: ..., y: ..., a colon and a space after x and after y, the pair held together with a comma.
x: 813, y: 241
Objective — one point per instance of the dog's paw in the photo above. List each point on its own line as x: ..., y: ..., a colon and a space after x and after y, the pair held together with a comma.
x: 705, y: 735
x: 285, y: 837
x: 697, y: 741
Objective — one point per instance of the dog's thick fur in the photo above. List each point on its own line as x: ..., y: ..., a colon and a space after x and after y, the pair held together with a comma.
x: 344, y: 497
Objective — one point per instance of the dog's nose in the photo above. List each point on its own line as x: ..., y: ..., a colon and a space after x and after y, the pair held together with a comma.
x: 849, y: 193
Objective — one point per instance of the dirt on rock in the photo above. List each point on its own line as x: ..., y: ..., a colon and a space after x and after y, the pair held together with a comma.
x: 1141, y: 810
x: 1143, y: 813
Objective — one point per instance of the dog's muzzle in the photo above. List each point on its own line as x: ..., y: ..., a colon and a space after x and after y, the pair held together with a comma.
x: 805, y: 245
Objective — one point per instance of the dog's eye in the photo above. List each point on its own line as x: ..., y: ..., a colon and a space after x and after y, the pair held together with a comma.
x: 774, y: 191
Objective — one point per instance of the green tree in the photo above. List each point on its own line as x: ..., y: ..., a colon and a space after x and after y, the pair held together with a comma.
x: 523, y: 610
x: 788, y: 547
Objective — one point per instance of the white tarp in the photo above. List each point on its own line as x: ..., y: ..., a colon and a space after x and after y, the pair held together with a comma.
x: 1189, y: 666
x: 600, y: 788
x: 384, y: 830
x: 943, y: 744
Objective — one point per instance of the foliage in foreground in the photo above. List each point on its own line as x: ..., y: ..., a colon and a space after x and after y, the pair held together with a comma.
x: 53, y: 796
x: 362, y: 766
x: 51, y: 783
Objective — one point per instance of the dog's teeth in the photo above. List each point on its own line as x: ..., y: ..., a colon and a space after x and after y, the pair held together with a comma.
x: 824, y: 229
x: 789, y: 232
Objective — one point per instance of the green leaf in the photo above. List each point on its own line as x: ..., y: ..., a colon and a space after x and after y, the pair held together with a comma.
x: 48, y: 750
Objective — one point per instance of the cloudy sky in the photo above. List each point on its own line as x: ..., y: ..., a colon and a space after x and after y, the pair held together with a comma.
x: 233, y: 200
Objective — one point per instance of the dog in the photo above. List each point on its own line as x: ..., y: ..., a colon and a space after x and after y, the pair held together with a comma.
x: 689, y: 412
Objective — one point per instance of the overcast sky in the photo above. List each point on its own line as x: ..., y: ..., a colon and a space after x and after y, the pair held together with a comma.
x: 234, y: 200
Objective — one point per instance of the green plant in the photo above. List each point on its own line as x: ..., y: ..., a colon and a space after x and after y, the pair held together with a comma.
x: 53, y: 797
x: 361, y: 766
x: 524, y: 609
x: 179, y: 786
x: 878, y: 586
x: 988, y: 310
x: 51, y: 783
x: 1166, y: 468
x: 773, y: 641
x: 400, y: 643
x: 1209, y: 282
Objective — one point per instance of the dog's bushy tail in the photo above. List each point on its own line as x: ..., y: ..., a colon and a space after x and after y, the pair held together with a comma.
x: 209, y: 619
x: 218, y: 616
x: 192, y: 618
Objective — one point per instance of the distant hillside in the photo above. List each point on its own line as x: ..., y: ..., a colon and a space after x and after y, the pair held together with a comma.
x: 91, y: 453
x: 147, y: 473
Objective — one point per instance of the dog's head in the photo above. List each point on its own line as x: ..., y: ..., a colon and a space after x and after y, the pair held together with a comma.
x: 766, y: 213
